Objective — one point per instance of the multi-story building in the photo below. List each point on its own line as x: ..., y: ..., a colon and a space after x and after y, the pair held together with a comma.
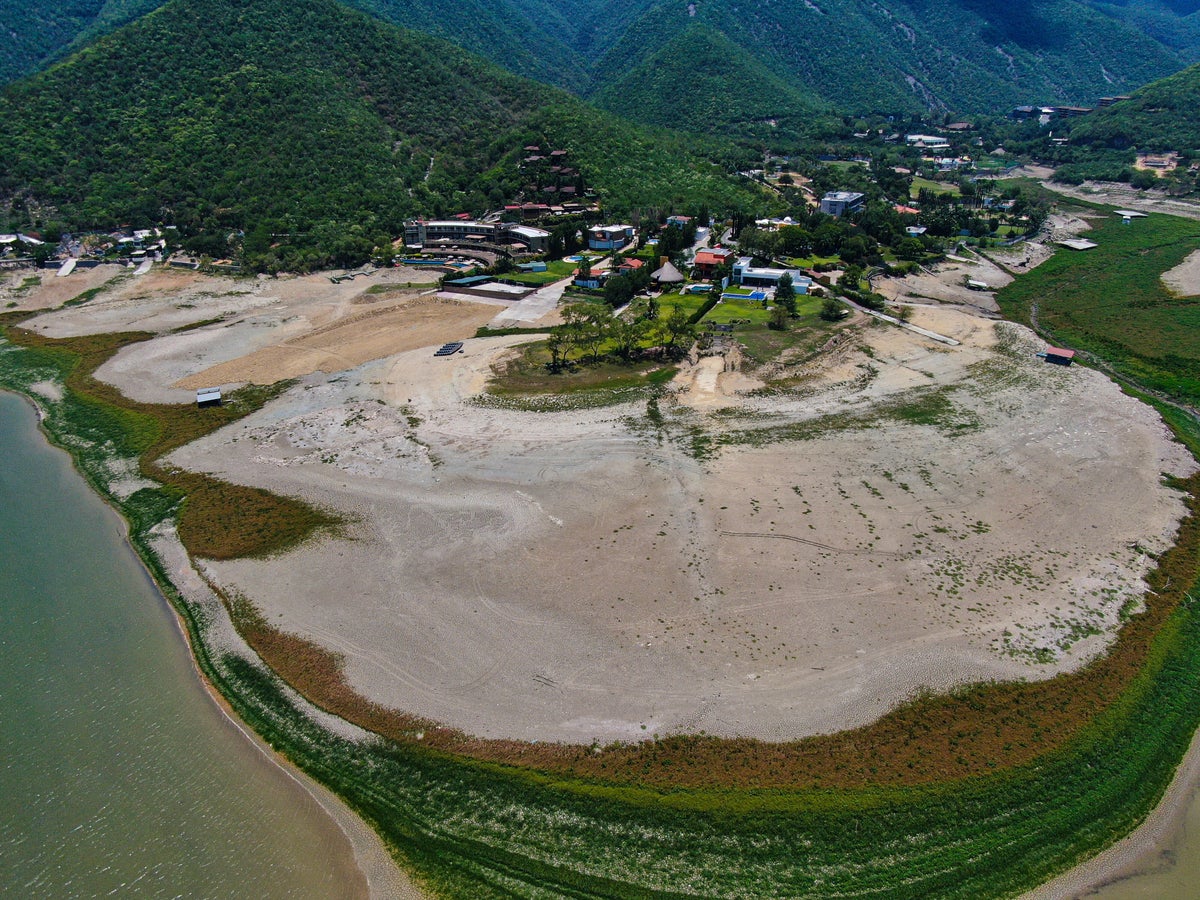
x: 610, y: 237
x: 420, y: 233
x: 840, y: 203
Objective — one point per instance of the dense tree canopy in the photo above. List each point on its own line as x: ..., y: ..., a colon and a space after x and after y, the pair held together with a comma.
x: 314, y: 128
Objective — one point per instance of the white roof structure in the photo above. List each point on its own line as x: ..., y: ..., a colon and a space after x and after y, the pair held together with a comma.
x: 745, y: 268
x: 1079, y: 244
x: 1129, y: 213
x: 526, y: 232
x: 929, y: 140
x: 610, y: 229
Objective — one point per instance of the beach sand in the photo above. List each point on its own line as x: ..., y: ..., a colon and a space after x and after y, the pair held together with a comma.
x: 921, y: 517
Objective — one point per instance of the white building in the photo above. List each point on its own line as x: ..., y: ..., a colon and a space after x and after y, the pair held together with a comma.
x: 840, y: 203
x: 747, y: 274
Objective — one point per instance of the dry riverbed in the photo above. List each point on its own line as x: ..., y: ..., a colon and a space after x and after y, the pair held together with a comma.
x: 953, y: 513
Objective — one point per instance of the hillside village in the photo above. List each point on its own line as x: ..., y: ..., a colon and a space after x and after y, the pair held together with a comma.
x: 840, y: 227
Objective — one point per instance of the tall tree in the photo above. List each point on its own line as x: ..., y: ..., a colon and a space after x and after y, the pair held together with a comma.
x: 785, y: 295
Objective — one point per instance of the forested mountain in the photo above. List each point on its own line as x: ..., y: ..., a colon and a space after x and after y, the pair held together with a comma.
x: 303, y: 117
x: 699, y: 79
x: 1160, y: 116
x: 645, y: 58
x: 494, y: 29
x: 1173, y: 23
x: 912, y: 55
x: 35, y: 32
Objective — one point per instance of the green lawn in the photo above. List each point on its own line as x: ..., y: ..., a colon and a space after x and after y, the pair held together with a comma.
x: 938, y: 187
x: 735, y: 308
x: 730, y: 310
x: 807, y: 262
x: 555, y: 271
x: 1111, y: 301
x: 689, y: 302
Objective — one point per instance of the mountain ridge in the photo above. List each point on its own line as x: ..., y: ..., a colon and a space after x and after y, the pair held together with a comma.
x: 898, y: 56
x: 304, y: 116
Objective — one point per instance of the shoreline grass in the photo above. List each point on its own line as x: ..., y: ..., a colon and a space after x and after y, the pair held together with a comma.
x: 1111, y: 302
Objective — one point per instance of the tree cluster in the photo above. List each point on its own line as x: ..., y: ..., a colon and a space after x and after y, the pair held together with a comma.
x: 590, y: 331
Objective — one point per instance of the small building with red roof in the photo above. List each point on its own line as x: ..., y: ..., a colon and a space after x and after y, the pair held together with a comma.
x: 709, y: 259
x: 1059, y: 356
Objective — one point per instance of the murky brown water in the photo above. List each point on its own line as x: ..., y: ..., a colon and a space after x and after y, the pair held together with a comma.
x: 118, y: 774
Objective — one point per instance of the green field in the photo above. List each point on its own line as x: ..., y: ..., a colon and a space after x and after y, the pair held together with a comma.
x: 1111, y: 302
x: 937, y: 187
x: 753, y: 312
x: 807, y: 262
x: 690, y: 303
x: 555, y: 271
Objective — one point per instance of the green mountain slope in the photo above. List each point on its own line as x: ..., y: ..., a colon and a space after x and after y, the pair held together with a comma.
x: 911, y: 55
x: 40, y: 31
x: 35, y: 32
x: 1160, y: 116
x: 494, y: 29
x: 859, y: 55
x: 1173, y: 23
x: 305, y: 117
x: 698, y: 77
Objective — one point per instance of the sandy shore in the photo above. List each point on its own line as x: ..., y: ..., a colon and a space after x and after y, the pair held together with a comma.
x: 584, y: 574
x: 1142, y: 864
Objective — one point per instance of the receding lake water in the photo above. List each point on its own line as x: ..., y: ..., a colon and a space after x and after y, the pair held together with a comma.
x: 119, y: 774
x: 1177, y: 880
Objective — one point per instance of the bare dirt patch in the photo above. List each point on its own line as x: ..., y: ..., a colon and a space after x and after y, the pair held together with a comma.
x: 947, y: 283
x: 1123, y: 195
x: 1184, y: 279
x: 585, y: 574
x: 254, y: 329
x: 739, y: 557
x: 51, y: 291
x: 349, y: 342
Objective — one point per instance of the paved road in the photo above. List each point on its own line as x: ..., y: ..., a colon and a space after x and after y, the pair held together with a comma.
x: 532, y: 308
x: 540, y: 302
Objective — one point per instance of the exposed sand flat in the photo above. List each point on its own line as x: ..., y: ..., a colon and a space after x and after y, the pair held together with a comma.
x: 1184, y: 279
x: 1123, y: 195
x: 578, y: 575
x: 351, y: 341
x: 583, y: 574
x: 946, y: 283
x: 52, y: 291
x: 252, y: 329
